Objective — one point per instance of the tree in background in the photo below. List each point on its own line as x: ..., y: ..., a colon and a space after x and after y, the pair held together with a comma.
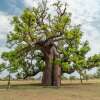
x: 76, y: 57
x: 11, y: 65
x: 94, y: 61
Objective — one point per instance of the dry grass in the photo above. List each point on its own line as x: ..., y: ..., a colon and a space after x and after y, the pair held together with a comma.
x: 27, y: 90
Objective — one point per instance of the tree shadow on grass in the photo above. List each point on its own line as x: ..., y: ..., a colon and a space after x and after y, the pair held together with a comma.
x: 39, y: 85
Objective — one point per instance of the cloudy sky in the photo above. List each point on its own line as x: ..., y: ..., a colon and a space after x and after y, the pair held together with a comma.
x: 83, y: 12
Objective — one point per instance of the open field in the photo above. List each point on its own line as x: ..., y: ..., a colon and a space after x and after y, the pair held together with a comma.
x: 31, y: 90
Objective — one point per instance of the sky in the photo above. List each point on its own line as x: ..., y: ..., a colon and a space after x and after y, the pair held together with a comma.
x: 83, y: 12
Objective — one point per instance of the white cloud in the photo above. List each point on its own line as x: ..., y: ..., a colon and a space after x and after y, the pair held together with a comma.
x: 5, y: 27
x: 30, y: 3
x: 87, y: 13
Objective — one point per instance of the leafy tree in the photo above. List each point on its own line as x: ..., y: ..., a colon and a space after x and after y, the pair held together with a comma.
x: 75, y: 59
x: 94, y: 61
x: 35, y: 30
x: 42, y: 36
x: 75, y: 56
x: 11, y: 64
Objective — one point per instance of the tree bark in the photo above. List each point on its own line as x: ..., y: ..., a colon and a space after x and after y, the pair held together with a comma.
x: 52, y: 72
x: 57, y: 75
x: 46, y: 80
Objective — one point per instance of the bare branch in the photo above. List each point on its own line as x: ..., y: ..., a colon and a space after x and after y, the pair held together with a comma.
x: 64, y: 10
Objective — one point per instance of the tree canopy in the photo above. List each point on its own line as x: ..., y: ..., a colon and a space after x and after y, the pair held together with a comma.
x: 43, y: 41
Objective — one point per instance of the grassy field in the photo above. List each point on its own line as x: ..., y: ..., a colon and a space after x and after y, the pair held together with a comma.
x: 32, y: 90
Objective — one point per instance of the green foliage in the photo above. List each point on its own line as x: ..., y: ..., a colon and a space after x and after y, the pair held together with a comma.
x: 2, y: 67
x: 94, y: 61
x: 12, y: 60
x: 65, y: 66
x: 37, y: 26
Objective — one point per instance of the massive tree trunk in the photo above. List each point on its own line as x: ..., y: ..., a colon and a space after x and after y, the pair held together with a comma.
x: 57, y: 75
x: 46, y: 80
x: 52, y: 72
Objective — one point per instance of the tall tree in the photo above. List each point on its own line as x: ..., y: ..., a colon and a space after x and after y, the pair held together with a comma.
x: 36, y: 29
x: 39, y: 33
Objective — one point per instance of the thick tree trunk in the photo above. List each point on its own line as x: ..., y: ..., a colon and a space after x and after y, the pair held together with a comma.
x: 46, y: 80
x: 57, y: 75
x: 52, y: 72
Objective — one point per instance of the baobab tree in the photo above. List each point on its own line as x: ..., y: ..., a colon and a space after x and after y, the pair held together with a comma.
x: 36, y: 29
x: 43, y: 34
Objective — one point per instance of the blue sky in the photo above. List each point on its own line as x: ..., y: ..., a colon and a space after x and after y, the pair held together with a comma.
x: 12, y: 7
x: 83, y: 12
